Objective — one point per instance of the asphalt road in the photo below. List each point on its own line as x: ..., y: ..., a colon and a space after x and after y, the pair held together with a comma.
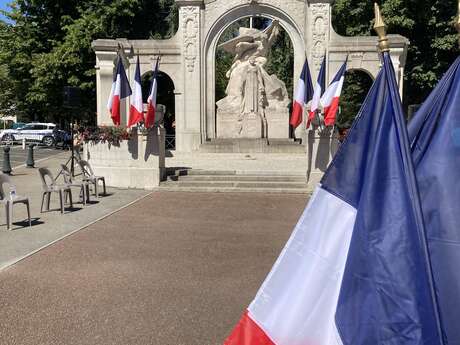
x: 172, y: 269
x: 18, y: 156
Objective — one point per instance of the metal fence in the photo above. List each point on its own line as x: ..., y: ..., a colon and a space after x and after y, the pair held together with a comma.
x: 170, y: 141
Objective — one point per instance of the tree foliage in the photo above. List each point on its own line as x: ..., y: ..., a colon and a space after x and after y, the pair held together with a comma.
x: 428, y: 24
x: 47, y: 46
x: 355, y: 88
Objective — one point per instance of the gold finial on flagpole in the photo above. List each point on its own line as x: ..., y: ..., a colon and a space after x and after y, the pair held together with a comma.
x: 457, y: 23
x: 381, y: 30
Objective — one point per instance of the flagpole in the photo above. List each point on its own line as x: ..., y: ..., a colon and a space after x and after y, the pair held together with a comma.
x: 384, y: 47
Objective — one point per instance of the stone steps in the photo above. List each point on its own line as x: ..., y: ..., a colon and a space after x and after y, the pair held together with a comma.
x: 287, y: 146
x: 236, y: 178
x: 236, y: 184
x: 169, y: 188
x: 184, y: 180
x: 201, y: 172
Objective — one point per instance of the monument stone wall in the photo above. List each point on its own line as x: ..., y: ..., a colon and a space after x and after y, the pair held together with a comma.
x: 189, y: 58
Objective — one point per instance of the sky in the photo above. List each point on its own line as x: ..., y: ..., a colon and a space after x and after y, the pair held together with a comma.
x: 4, y: 6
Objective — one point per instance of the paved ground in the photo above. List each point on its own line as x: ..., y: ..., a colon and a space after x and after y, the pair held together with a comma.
x: 18, y: 156
x: 50, y: 226
x: 172, y: 269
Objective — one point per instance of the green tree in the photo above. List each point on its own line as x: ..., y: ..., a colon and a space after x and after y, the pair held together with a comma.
x: 426, y: 23
x: 281, y: 60
x: 48, y: 46
x: 355, y: 88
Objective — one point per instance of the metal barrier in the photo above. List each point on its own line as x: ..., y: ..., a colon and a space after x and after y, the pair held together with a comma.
x: 170, y: 141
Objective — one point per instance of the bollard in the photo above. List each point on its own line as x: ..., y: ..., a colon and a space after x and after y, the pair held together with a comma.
x: 30, y: 157
x: 6, y: 161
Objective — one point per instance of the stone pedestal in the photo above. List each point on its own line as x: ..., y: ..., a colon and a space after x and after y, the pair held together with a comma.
x: 135, y: 163
x: 274, y: 126
x: 321, y: 149
x: 277, y: 123
x: 228, y: 126
x: 244, y: 145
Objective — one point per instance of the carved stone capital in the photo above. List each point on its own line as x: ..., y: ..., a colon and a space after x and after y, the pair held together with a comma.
x: 190, y: 30
x: 320, y: 22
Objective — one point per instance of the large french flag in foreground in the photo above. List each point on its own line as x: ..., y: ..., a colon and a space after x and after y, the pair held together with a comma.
x: 331, y: 97
x: 319, y: 89
x: 152, y: 99
x: 136, y: 111
x: 120, y: 90
x: 303, y: 96
x: 435, y: 141
x: 355, y: 270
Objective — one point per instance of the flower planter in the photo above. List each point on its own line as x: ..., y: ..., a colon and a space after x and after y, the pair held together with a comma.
x: 135, y: 163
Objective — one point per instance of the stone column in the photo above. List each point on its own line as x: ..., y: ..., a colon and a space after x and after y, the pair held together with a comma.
x: 105, y: 66
x: 104, y: 78
x: 188, y: 117
x: 125, y: 103
x: 321, y: 148
x: 317, y: 39
x: 318, y: 33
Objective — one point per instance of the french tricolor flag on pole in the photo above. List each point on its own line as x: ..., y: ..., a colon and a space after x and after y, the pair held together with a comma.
x: 435, y: 141
x: 355, y: 270
x: 136, y: 111
x: 303, y: 96
x: 152, y: 100
x: 331, y: 97
x: 319, y: 89
x: 120, y: 90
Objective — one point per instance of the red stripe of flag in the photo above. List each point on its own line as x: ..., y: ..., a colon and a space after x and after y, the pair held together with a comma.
x: 297, y: 114
x: 330, y: 113
x: 303, y: 96
x: 115, y: 111
x: 120, y: 90
x: 331, y: 97
x: 247, y: 332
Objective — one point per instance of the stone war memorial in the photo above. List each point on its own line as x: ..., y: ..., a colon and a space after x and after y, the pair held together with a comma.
x: 257, y: 104
x: 253, y: 117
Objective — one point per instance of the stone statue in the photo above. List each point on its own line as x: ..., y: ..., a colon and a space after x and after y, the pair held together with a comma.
x: 254, y: 98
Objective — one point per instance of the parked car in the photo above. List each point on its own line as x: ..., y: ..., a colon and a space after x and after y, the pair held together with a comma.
x: 38, y: 132
x: 18, y: 125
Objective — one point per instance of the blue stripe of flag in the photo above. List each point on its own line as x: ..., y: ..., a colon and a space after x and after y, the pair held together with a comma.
x: 387, y: 294
x: 435, y: 141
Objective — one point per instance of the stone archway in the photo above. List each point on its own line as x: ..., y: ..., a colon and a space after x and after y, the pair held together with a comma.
x: 166, y: 97
x: 357, y: 84
x: 189, y: 56
x: 210, y: 47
